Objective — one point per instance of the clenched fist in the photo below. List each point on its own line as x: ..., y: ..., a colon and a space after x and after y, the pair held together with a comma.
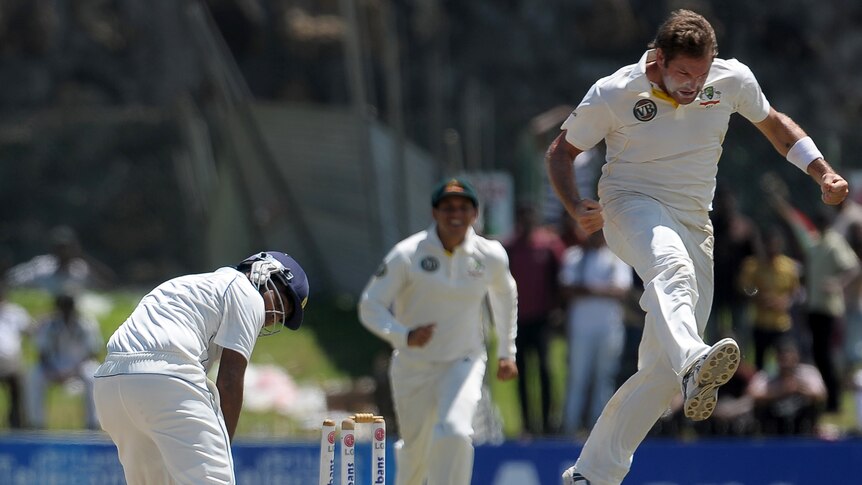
x: 833, y: 188
x: 420, y: 336
x: 506, y: 369
x: 588, y: 214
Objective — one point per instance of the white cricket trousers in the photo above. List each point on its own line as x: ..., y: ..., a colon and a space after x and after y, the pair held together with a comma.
x: 672, y: 253
x: 435, y: 404
x: 167, y: 431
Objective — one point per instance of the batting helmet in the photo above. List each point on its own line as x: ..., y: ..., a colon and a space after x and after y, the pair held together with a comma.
x: 265, y: 266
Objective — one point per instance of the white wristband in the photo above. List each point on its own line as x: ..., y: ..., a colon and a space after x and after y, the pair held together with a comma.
x: 803, y: 152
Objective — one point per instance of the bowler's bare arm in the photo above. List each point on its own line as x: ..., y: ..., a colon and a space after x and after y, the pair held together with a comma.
x: 560, y: 159
x: 783, y: 133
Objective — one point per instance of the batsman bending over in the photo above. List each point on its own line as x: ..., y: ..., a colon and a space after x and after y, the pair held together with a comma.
x: 663, y: 121
x: 170, y: 423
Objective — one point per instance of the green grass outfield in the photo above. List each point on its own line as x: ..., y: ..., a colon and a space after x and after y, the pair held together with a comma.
x: 331, y: 347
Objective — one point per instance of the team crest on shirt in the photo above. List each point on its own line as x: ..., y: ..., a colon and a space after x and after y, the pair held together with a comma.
x: 645, y: 110
x: 710, y: 97
x: 475, y: 268
x: 429, y: 264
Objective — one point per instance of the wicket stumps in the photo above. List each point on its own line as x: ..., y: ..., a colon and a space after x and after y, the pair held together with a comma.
x: 347, y: 442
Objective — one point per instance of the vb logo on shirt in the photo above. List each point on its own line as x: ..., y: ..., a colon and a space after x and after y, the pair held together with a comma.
x: 430, y: 263
x: 645, y: 110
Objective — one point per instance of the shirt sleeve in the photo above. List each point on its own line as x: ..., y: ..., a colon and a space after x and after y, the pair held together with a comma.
x: 503, y: 299
x: 378, y: 298
x: 242, y: 319
x: 590, y: 122
x: 751, y: 102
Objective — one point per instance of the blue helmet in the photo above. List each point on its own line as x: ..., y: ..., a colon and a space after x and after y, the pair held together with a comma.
x: 265, y: 266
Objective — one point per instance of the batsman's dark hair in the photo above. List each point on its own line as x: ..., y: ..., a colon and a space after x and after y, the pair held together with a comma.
x: 685, y: 33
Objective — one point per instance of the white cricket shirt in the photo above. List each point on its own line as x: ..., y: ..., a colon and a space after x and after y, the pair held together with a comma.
x: 655, y: 147
x: 420, y: 283
x: 180, y: 327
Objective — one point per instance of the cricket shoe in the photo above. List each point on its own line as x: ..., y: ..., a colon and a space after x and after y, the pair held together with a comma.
x: 700, y: 384
x: 571, y: 477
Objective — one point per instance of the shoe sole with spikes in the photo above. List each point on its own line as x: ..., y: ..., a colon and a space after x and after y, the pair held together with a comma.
x: 712, y: 371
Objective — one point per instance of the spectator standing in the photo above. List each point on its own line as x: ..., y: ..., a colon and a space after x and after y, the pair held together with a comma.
x: 595, y: 281
x: 830, y: 268
x: 534, y: 261
x: 772, y: 282
x: 790, y: 401
x: 14, y: 322
x: 67, y: 344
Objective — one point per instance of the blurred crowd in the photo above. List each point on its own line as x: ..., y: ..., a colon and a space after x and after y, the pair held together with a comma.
x: 93, y: 128
x: 65, y: 340
x: 789, y: 293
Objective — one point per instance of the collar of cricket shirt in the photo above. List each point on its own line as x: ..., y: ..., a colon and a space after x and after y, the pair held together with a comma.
x: 637, y: 79
x: 468, y: 246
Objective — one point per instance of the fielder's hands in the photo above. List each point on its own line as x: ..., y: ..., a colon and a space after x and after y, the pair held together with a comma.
x: 588, y: 214
x: 506, y: 369
x: 833, y: 188
x: 420, y: 336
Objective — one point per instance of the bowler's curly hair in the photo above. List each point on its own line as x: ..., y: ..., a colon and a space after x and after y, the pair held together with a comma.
x: 685, y: 33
